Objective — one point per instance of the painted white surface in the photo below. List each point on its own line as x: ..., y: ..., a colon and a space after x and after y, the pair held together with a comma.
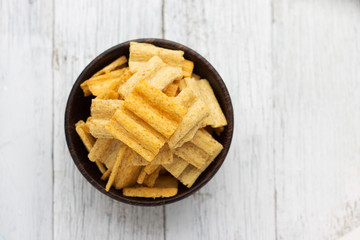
x: 25, y: 120
x: 353, y: 235
x: 293, y: 71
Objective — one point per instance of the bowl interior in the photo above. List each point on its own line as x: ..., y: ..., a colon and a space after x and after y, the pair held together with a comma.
x: 78, y: 108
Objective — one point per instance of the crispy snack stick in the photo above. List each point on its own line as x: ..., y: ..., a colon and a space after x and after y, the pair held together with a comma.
x: 158, y: 99
x: 101, y: 113
x: 172, y: 89
x: 206, y: 142
x: 150, y: 69
x: 109, y: 157
x: 114, y: 170
x: 150, y: 168
x: 112, y: 66
x: 192, y: 121
x: 135, y: 133
x: 208, y: 145
x: 155, y: 72
x: 99, y: 86
x: 197, y: 151
x: 83, y: 131
x: 104, y: 150
x: 155, y: 108
x: 100, y: 166
x: 177, y: 166
x: 165, y: 186
x: 140, y: 53
x: 111, y: 94
x: 106, y: 174
x: 150, y: 179
x: 99, y: 149
x: 216, y: 117
x: 203, y: 90
x: 186, y: 98
x: 163, y: 157
x: 104, y: 109
x: 107, y: 82
x: 165, y: 76
x: 192, y: 154
x: 195, y: 76
x: 188, y: 68
x: 137, y: 160
x: 127, y: 173
x: 141, y: 177
x: 97, y: 127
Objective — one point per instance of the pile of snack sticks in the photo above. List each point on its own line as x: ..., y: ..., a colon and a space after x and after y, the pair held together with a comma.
x: 151, y: 122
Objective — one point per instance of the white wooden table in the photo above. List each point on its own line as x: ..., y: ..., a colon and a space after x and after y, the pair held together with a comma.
x: 292, y: 68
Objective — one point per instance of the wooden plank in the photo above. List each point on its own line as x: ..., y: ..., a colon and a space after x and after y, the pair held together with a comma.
x: 353, y: 235
x: 25, y: 120
x: 235, y: 36
x: 84, y: 29
x: 316, y: 69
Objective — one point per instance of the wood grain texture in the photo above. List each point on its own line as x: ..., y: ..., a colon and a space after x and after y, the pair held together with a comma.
x: 316, y: 69
x: 235, y: 36
x: 25, y: 120
x: 83, y: 29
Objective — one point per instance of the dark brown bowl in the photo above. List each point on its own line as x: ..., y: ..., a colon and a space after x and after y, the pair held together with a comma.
x: 78, y: 108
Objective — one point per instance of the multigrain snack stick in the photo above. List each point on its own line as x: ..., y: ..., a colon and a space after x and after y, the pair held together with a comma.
x: 140, y: 53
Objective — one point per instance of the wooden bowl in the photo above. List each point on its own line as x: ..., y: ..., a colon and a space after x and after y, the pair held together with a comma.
x: 78, y: 108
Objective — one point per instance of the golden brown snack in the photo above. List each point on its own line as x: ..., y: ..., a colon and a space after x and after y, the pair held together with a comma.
x: 99, y: 149
x: 192, y: 154
x: 165, y: 186
x: 177, y: 166
x: 141, y: 177
x: 104, y: 109
x: 150, y: 179
x: 97, y: 127
x: 157, y: 129
x: 150, y: 69
x: 203, y: 90
x: 100, y: 166
x: 140, y: 53
x: 155, y: 108
x: 135, y: 133
x: 192, y: 121
x: 114, y: 170
x: 195, y: 76
x: 112, y: 66
x: 150, y: 168
x: 83, y: 131
x: 172, y: 89
x: 208, y: 145
x: 164, y: 156
x: 127, y: 173
x: 216, y: 117
x: 106, y: 175
x: 188, y: 68
x: 106, y: 83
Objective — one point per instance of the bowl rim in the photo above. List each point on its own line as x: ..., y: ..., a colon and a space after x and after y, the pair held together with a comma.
x: 156, y: 201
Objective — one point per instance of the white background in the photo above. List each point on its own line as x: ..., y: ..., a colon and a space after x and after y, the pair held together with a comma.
x: 293, y: 71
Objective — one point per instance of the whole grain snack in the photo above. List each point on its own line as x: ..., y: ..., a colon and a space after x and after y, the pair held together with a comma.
x: 150, y: 122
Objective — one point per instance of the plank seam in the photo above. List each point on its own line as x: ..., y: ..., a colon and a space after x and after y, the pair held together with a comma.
x: 273, y: 121
x: 53, y: 116
x: 163, y: 18
x: 164, y: 222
